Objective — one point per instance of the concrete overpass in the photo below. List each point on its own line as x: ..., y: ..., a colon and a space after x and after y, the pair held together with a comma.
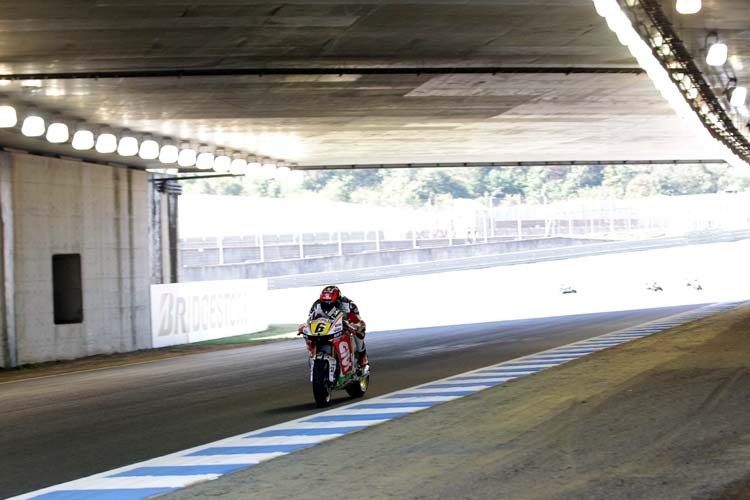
x: 317, y: 85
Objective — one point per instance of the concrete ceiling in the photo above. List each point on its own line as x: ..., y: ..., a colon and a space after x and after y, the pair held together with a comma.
x: 116, y: 63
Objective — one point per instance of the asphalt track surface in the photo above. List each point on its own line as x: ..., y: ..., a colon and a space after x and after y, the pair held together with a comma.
x: 64, y: 427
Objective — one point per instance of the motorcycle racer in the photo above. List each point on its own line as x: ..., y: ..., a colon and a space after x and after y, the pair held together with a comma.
x: 330, y: 303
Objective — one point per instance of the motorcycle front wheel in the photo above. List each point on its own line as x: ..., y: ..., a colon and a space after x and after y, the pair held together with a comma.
x: 322, y: 387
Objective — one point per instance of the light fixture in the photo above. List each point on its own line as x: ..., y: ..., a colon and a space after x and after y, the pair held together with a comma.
x: 31, y: 83
x: 205, y: 159
x: 57, y: 132
x: 187, y: 156
x: 169, y: 153
x: 688, y: 6
x: 222, y: 162
x: 253, y: 163
x: 238, y: 165
x: 149, y: 149
x: 268, y: 168
x: 282, y: 170
x: 106, y: 142
x: 33, y: 125
x: 717, y: 51
x: 128, y: 145
x: 83, y: 138
x: 737, y: 96
x: 8, y: 116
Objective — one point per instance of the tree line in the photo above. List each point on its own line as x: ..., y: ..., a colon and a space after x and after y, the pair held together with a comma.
x: 417, y: 187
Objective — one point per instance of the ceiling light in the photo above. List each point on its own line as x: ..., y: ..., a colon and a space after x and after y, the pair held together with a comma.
x: 33, y: 125
x: 717, y: 54
x: 31, y: 83
x: 8, y: 116
x: 205, y: 160
x: 57, y: 132
x: 282, y: 171
x: 106, y: 143
x: 187, y: 156
x: 268, y: 168
x: 238, y: 165
x: 169, y: 153
x: 83, y: 139
x: 738, y: 96
x: 253, y: 162
x: 222, y: 162
x: 128, y: 146
x: 149, y: 149
x: 688, y: 6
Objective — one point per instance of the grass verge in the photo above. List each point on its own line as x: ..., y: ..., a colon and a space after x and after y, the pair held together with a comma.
x: 272, y: 333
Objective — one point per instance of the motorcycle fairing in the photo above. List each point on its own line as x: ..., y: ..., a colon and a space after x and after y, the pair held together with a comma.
x: 332, y: 363
x: 344, y: 349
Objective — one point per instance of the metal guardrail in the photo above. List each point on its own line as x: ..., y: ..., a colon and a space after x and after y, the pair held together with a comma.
x: 506, y: 259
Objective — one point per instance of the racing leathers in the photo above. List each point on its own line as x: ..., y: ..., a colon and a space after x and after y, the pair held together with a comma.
x: 352, y: 320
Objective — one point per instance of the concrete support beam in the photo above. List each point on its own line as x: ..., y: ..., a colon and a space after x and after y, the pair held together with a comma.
x: 7, y: 280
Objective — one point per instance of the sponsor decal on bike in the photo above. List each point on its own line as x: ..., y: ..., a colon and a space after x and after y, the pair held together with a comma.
x: 345, y: 354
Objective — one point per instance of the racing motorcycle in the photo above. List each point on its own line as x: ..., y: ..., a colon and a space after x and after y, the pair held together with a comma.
x: 333, y: 362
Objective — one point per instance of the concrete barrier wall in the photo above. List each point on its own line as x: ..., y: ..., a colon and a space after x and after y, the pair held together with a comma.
x: 368, y: 260
x: 101, y: 213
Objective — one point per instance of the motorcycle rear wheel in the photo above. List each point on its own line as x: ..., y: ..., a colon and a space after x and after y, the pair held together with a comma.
x: 358, y: 388
x: 322, y: 387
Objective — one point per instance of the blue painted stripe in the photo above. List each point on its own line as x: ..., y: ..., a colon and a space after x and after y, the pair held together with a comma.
x: 346, y: 418
x: 479, y: 377
x: 530, y: 365
x: 183, y: 470
x: 431, y: 394
x: 247, y: 450
x: 576, y: 351
x: 541, y: 362
x: 556, y: 355
x: 378, y: 406
x: 512, y: 370
x: 460, y: 386
x: 120, y: 494
x: 317, y: 431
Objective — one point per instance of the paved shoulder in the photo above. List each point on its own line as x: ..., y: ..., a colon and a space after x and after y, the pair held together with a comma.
x: 661, y: 417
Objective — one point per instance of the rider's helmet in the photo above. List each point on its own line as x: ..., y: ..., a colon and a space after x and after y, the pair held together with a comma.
x: 330, y: 294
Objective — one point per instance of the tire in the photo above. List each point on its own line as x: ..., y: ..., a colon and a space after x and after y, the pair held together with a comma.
x: 358, y: 388
x: 322, y: 387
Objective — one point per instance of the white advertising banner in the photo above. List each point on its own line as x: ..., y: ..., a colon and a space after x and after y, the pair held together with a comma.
x: 203, y: 310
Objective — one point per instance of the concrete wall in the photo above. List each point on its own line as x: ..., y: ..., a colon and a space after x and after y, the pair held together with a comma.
x: 368, y: 260
x: 102, y: 213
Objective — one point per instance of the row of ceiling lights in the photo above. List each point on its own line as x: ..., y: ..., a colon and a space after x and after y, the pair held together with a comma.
x: 717, y: 54
x: 676, y: 85
x: 146, y: 147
